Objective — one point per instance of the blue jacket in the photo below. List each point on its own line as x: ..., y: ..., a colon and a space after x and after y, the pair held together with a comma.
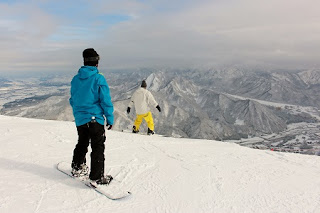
x: 90, y: 96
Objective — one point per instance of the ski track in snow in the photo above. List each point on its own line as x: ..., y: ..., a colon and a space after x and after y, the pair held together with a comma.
x: 164, y: 174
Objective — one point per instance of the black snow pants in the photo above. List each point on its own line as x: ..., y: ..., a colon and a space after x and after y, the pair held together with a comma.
x: 91, y: 132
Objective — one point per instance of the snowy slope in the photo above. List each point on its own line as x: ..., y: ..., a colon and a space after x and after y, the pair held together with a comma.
x: 164, y: 174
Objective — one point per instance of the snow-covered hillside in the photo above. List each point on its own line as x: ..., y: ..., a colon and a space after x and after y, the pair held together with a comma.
x: 164, y: 174
x: 215, y: 104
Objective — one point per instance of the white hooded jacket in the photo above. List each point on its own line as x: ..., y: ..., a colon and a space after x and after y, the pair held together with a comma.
x: 141, y: 100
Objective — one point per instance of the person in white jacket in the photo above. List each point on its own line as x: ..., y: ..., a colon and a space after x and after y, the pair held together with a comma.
x: 142, y: 99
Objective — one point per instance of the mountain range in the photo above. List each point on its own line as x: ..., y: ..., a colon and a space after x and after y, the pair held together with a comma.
x: 220, y: 104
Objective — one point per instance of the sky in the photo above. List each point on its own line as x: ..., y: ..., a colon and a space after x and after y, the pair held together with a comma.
x: 44, y: 35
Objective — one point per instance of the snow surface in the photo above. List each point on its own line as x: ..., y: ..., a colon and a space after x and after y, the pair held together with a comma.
x: 164, y: 174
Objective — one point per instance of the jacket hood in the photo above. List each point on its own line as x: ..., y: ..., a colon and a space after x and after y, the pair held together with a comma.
x: 87, y: 71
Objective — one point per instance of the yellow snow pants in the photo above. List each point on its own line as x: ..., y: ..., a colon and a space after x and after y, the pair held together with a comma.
x: 147, y: 117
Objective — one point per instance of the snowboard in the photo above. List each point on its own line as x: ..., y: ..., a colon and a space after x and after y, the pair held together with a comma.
x: 111, y: 191
x: 142, y: 133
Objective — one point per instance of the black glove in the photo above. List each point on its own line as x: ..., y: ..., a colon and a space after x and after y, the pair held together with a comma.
x: 109, y: 126
x: 158, y: 107
x: 128, y: 110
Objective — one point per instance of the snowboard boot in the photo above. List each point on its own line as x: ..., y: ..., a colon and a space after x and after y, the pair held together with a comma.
x: 81, y: 171
x: 150, y: 132
x: 134, y: 130
x: 102, y: 181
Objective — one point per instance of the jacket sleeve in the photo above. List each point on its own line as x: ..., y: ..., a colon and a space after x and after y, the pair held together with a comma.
x: 151, y: 101
x: 105, y: 100
x: 131, y: 103
x: 71, y: 95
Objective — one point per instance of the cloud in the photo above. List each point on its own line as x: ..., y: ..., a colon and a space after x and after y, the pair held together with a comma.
x: 23, y: 29
x: 273, y: 32
x: 131, y: 34
x: 128, y: 7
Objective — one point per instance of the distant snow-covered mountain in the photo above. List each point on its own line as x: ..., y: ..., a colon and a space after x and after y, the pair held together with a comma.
x: 204, y: 113
x: 310, y: 77
x: 211, y: 104
x: 290, y: 87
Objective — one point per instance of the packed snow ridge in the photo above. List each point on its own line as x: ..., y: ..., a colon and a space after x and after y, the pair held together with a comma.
x: 164, y: 174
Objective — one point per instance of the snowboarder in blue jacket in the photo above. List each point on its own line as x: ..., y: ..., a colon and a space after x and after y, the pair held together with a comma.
x: 91, y: 104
